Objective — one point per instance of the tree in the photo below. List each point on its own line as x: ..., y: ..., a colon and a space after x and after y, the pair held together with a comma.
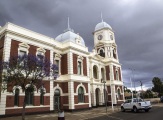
x: 26, y: 69
x: 158, y: 85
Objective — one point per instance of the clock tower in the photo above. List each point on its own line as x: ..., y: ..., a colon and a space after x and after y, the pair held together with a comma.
x: 104, y: 41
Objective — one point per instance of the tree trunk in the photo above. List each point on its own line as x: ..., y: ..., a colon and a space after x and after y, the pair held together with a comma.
x: 24, y: 105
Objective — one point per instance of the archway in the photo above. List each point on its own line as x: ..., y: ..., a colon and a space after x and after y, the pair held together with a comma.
x: 57, y: 99
x: 97, y: 96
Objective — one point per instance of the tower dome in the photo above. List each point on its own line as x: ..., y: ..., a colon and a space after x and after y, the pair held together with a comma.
x: 70, y: 36
x: 102, y: 25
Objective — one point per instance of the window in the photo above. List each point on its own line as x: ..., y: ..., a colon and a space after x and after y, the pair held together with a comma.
x: 111, y: 37
x: 29, y: 97
x: 22, y: 53
x: 41, y: 97
x: 80, y: 95
x: 102, y: 53
x: 118, y: 94
x: 22, y: 59
x: 114, y: 54
x: 79, y: 68
x: 23, y: 49
x: 117, y: 75
x: 95, y: 72
x: 57, y: 64
x: 16, y: 97
x: 40, y: 57
x: 80, y: 65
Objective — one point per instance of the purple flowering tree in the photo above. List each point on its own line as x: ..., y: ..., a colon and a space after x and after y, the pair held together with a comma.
x: 26, y: 69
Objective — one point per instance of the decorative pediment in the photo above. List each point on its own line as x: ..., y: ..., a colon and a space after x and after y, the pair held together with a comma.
x: 41, y: 50
x: 57, y: 55
x: 24, y: 45
x: 80, y: 57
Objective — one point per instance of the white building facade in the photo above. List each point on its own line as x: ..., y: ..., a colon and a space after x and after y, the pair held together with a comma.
x: 82, y: 74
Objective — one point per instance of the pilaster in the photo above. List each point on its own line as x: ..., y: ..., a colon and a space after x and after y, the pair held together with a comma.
x: 70, y: 62
x: 71, y: 94
x: 7, y: 47
x: 89, y: 94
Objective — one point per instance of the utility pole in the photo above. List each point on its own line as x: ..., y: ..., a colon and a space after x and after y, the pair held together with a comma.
x: 141, y: 84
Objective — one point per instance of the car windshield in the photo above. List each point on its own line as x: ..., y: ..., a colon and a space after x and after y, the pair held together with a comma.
x: 137, y: 100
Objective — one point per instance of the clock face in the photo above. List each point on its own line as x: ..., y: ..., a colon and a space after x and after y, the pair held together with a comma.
x: 100, y: 37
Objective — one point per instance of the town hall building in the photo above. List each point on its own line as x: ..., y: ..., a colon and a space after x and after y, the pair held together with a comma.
x: 82, y: 74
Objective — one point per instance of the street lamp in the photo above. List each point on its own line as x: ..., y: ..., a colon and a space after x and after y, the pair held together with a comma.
x: 104, y: 81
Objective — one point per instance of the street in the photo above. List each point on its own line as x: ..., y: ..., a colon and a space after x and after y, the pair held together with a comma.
x: 99, y: 114
x: 154, y: 114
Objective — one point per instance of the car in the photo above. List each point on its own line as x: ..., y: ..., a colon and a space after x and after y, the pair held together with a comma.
x: 161, y: 99
x: 135, y: 105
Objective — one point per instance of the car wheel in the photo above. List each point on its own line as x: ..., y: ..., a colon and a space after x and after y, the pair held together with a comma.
x: 122, y: 109
x: 135, y: 109
x: 147, y: 110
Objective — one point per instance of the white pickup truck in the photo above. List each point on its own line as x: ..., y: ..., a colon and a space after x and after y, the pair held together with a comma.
x: 135, y: 105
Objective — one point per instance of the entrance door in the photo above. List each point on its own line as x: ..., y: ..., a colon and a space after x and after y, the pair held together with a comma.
x: 57, y: 100
x: 97, y: 96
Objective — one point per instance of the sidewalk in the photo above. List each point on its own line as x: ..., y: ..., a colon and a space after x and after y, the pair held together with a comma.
x: 80, y: 115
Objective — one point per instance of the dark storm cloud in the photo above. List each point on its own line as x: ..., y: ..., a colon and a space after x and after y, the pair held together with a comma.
x: 137, y: 24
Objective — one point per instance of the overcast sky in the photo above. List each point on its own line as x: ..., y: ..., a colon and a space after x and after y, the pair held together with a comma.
x: 138, y: 26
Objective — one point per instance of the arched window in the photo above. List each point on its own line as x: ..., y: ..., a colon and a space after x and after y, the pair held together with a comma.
x: 80, y: 65
x: 80, y: 95
x: 117, y: 75
x: 118, y: 94
x: 95, y: 72
x: 102, y: 53
x: 29, y: 96
x: 42, y: 97
x: 16, y: 97
x: 114, y: 53
x: 79, y: 68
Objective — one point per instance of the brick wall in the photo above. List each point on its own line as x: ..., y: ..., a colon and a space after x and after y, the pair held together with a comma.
x: 46, y: 85
x: 46, y: 100
x: 32, y: 50
x: 36, y: 101
x: 107, y: 72
x: 27, y: 110
x: 81, y: 106
x: 75, y: 64
x: 21, y: 101
x: 108, y: 88
x: 114, y: 70
x: 119, y: 73
x: 14, y: 48
x: 85, y: 66
x: 63, y: 85
x: 64, y: 65
x: 10, y: 101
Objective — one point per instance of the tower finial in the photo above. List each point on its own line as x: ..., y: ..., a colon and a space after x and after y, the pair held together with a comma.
x: 101, y: 17
x: 68, y: 24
